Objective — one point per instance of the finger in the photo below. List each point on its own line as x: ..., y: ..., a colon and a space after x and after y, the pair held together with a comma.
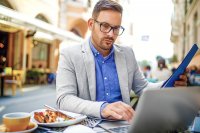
x: 112, y: 118
x: 180, y: 83
x: 121, y: 111
x: 187, y: 70
x: 183, y: 77
x: 114, y: 115
x: 107, y: 112
x: 126, y: 114
x: 128, y: 109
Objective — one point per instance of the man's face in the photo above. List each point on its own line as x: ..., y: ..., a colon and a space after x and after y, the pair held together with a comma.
x: 104, y: 41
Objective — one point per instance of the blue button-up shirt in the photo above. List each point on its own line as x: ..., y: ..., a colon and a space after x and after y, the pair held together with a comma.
x: 107, y: 82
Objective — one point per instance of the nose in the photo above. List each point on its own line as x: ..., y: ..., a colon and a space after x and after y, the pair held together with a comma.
x: 111, y: 33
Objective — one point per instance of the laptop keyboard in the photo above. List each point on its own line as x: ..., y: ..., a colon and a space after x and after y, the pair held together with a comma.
x: 91, y: 122
x: 119, y: 129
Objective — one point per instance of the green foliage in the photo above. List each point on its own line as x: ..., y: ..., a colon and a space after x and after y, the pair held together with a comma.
x: 33, y: 75
x: 173, y: 59
x: 144, y: 63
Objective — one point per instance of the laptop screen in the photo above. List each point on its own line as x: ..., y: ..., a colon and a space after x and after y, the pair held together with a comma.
x: 166, y: 110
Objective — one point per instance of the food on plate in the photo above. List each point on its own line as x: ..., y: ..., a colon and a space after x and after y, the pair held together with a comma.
x: 49, y: 116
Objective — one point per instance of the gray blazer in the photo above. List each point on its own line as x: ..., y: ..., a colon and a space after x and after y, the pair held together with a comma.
x: 76, y: 80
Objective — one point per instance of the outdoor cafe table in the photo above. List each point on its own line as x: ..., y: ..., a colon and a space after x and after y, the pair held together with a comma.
x: 96, y: 129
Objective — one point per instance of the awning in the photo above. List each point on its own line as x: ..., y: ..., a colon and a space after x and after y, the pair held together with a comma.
x: 16, y: 18
x: 9, y: 27
x: 43, y: 36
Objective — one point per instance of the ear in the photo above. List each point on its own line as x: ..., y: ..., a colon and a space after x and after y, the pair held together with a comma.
x: 90, y: 23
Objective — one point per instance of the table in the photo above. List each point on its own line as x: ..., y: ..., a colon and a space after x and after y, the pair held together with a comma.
x: 96, y: 129
x: 60, y: 130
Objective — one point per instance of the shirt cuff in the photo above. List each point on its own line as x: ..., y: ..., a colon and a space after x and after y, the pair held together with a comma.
x: 102, y: 107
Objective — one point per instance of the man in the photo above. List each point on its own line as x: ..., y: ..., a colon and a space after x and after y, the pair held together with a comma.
x: 96, y: 78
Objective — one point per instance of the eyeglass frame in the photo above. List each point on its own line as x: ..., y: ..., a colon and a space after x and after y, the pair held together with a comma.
x: 111, y: 27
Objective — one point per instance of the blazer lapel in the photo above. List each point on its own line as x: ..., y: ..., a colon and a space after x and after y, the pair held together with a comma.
x: 122, y: 72
x: 90, y: 69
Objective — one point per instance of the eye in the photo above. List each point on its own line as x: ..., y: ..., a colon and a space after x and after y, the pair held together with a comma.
x: 117, y: 27
x: 105, y: 25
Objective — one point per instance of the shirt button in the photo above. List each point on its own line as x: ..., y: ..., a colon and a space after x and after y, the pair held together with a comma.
x: 107, y: 94
x: 103, y: 62
x: 105, y: 78
x: 95, y: 54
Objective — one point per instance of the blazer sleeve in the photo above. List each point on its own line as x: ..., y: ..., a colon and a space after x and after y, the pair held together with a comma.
x: 67, y: 89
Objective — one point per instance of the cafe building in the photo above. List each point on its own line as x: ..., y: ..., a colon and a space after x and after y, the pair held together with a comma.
x: 30, y: 38
x: 185, y: 28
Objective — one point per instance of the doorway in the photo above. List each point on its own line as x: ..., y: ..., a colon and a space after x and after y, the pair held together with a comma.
x: 3, y: 50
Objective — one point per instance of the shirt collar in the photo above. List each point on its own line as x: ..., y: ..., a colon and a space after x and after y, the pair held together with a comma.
x: 93, y: 48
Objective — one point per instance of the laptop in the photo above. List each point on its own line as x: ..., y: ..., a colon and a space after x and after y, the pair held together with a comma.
x: 165, y: 110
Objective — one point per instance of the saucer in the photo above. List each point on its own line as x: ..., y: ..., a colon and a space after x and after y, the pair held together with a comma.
x: 32, y: 126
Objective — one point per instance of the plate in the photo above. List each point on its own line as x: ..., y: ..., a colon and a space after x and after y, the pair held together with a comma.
x: 25, y: 131
x: 78, y: 118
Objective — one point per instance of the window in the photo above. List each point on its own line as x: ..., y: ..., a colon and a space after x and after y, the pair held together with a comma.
x: 195, y: 27
x: 40, y: 51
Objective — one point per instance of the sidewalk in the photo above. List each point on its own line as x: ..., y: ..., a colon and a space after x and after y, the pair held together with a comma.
x: 33, y: 98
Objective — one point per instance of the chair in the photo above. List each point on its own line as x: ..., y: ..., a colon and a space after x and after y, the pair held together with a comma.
x: 134, y: 99
x: 15, y: 81
x: 8, y: 70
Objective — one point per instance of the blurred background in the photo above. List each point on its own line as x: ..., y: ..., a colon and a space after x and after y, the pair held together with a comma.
x: 32, y: 32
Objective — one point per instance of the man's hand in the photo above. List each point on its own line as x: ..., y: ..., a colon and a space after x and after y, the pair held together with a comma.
x: 182, y: 80
x: 118, y: 111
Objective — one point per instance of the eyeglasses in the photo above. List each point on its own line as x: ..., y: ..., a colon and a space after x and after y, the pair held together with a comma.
x: 106, y: 28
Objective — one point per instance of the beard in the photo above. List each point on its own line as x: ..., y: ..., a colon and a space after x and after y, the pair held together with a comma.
x: 107, y: 43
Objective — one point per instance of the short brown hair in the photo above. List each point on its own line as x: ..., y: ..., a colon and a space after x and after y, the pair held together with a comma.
x: 106, y: 5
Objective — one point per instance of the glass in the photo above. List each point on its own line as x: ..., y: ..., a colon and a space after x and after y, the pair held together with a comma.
x: 106, y: 28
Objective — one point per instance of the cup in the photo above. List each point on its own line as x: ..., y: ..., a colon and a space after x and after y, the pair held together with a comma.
x: 17, y: 121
